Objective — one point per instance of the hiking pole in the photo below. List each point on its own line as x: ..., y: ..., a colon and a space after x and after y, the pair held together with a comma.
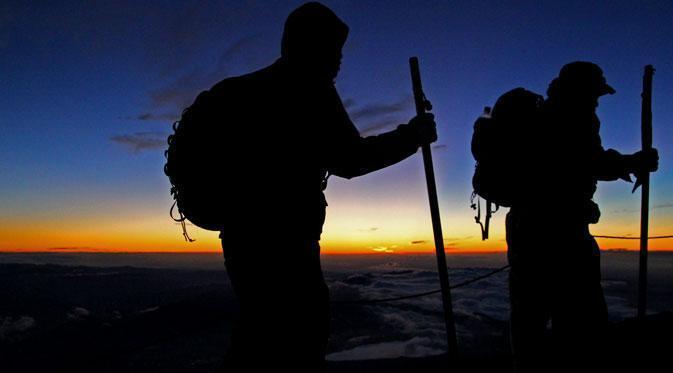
x: 644, y: 180
x: 423, y: 105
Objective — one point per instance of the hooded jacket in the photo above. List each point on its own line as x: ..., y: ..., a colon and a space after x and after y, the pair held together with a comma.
x: 283, y: 128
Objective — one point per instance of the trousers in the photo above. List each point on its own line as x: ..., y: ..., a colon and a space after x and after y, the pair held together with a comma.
x: 555, y: 281
x: 284, y: 305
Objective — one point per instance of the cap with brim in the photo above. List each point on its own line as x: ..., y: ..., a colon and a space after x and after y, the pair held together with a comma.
x: 606, y: 89
x: 585, y: 75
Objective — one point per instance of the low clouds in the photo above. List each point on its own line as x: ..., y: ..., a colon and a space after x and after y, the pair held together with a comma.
x: 149, y: 309
x: 139, y: 141
x: 71, y: 248
x: 414, y: 347
x: 616, y: 296
x: 414, y: 327
x: 11, y: 329
x: 448, y: 242
x: 384, y: 249
x: 369, y: 230
x: 454, y: 242
x: 78, y: 313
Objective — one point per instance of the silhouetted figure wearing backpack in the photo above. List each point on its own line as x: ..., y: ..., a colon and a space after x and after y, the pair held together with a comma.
x: 289, y: 130
x: 555, y: 265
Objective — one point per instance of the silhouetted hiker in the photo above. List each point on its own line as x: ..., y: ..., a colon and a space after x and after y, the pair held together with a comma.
x: 288, y: 132
x: 555, y: 266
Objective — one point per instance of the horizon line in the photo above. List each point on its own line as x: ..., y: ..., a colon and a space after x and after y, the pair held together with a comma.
x: 448, y: 252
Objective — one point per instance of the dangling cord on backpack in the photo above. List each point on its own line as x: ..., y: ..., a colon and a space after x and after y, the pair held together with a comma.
x: 477, y: 219
x: 181, y: 220
x: 489, y: 213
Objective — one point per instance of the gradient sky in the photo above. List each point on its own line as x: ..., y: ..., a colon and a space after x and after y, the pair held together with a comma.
x: 90, y: 89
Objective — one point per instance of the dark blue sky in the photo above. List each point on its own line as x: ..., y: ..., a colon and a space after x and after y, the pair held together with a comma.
x: 89, y: 90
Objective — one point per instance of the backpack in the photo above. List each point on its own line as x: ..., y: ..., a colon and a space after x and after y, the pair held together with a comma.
x: 500, y: 143
x: 191, y: 159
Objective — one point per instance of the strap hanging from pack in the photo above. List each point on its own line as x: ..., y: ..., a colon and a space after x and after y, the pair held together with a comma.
x: 181, y: 220
x: 489, y: 212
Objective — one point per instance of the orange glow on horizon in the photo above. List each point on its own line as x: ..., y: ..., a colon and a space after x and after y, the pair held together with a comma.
x: 325, y: 250
x: 373, y: 231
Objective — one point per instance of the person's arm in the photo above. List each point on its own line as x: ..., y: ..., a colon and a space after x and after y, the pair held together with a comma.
x: 611, y: 165
x: 350, y: 155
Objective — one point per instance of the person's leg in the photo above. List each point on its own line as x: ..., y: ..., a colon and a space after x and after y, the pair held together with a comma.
x: 528, y: 292
x: 579, y: 316
x: 284, y: 307
x: 528, y: 321
x: 251, y: 332
x: 305, y: 310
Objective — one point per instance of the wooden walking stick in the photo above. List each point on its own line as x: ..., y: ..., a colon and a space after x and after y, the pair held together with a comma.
x: 423, y: 105
x: 644, y: 180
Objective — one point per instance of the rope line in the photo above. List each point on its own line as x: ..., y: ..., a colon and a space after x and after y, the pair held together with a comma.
x: 419, y: 295
x: 634, y: 238
x: 472, y: 280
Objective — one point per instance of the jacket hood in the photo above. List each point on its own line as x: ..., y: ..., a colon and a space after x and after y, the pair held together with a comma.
x: 312, y: 29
